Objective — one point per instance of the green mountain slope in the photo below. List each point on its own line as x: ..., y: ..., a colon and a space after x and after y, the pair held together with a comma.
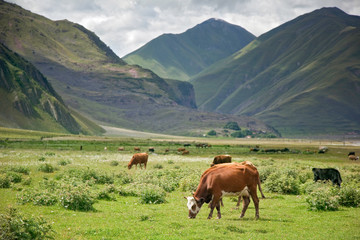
x: 92, y: 80
x: 302, y: 77
x: 180, y: 56
x: 28, y: 101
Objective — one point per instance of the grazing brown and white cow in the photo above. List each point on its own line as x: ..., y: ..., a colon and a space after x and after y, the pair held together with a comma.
x: 138, y: 158
x: 120, y: 148
x: 353, y: 157
x: 136, y: 149
x: 221, y: 159
x: 228, y: 179
x: 250, y: 164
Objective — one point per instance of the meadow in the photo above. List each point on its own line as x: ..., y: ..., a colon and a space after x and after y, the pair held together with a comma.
x: 63, y: 192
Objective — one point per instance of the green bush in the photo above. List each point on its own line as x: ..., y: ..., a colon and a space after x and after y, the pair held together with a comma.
x: 349, y: 195
x: 237, y: 134
x: 114, y: 163
x: 189, y: 183
x: 42, y: 159
x: 15, y: 226
x: 78, y: 198
x: 124, y: 177
x: 152, y: 194
x: 324, y: 198
x: 46, y: 168
x: 44, y: 198
x: 20, y: 169
x: 158, y: 166
x: 100, y: 178
x: 64, y: 162
x: 212, y: 133
x: 37, y: 197
x: 132, y: 189
x: 305, y: 176
x: 107, y: 193
x: 264, y: 172
x: 14, y: 177
x: 282, y: 182
x: 232, y: 126
x: 4, y: 181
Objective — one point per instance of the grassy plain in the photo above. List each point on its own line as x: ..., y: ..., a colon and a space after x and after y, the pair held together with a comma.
x: 282, y: 216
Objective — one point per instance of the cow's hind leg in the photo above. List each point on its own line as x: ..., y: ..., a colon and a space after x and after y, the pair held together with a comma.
x: 245, y: 205
x: 256, y: 203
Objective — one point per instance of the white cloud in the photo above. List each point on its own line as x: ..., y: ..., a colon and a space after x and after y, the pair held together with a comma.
x: 126, y: 25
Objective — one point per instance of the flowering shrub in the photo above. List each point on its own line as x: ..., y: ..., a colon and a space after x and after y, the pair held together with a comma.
x: 282, y: 182
x: 4, y: 181
x: 78, y: 198
x: 349, y: 195
x: 152, y: 194
x: 20, y: 169
x: 14, y: 177
x: 189, y: 184
x: 46, y: 167
x: 324, y: 198
x: 15, y: 226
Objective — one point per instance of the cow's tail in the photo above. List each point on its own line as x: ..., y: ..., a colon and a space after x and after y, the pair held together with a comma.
x: 259, y: 185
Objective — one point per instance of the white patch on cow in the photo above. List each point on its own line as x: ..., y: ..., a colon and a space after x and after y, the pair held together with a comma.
x: 191, y: 202
x: 244, y: 192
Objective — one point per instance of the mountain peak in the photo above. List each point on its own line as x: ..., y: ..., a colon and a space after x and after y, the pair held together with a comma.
x: 328, y: 11
x: 210, y: 20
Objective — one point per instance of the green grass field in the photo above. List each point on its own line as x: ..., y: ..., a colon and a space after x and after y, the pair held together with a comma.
x: 121, y: 213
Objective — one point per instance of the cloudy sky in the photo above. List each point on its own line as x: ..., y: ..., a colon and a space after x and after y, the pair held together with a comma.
x: 126, y: 25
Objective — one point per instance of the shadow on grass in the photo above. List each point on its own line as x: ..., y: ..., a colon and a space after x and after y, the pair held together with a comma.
x: 246, y: 219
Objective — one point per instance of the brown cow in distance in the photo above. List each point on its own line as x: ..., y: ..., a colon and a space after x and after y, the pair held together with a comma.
x: 353, y: 157
x: 185, y: 152
x: 181, y: 149
x: 221, y: 159
x: 138, y: 158
x: 136, y: 149
x: 221, y: 180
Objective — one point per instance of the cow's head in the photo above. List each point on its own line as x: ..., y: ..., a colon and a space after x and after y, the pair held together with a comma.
x: 129, y: 166
x: 194, y: 206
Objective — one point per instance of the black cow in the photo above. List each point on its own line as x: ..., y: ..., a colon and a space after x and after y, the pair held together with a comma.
x: 351, y: 153
x: 327, y: 174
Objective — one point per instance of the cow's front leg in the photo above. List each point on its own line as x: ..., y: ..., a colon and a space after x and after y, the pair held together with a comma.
x: 218, y: 211
x: 211, y: 211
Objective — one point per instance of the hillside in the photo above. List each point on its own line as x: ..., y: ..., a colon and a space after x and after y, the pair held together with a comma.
x: 95, y: 82
x: 181, y: 56
x: 302, y: 78
x: 28, y: 101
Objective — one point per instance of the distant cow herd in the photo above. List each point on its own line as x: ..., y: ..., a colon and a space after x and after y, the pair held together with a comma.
x: 227, y: 178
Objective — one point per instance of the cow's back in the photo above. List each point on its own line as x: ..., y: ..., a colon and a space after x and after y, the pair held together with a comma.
x: 230, y: 177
